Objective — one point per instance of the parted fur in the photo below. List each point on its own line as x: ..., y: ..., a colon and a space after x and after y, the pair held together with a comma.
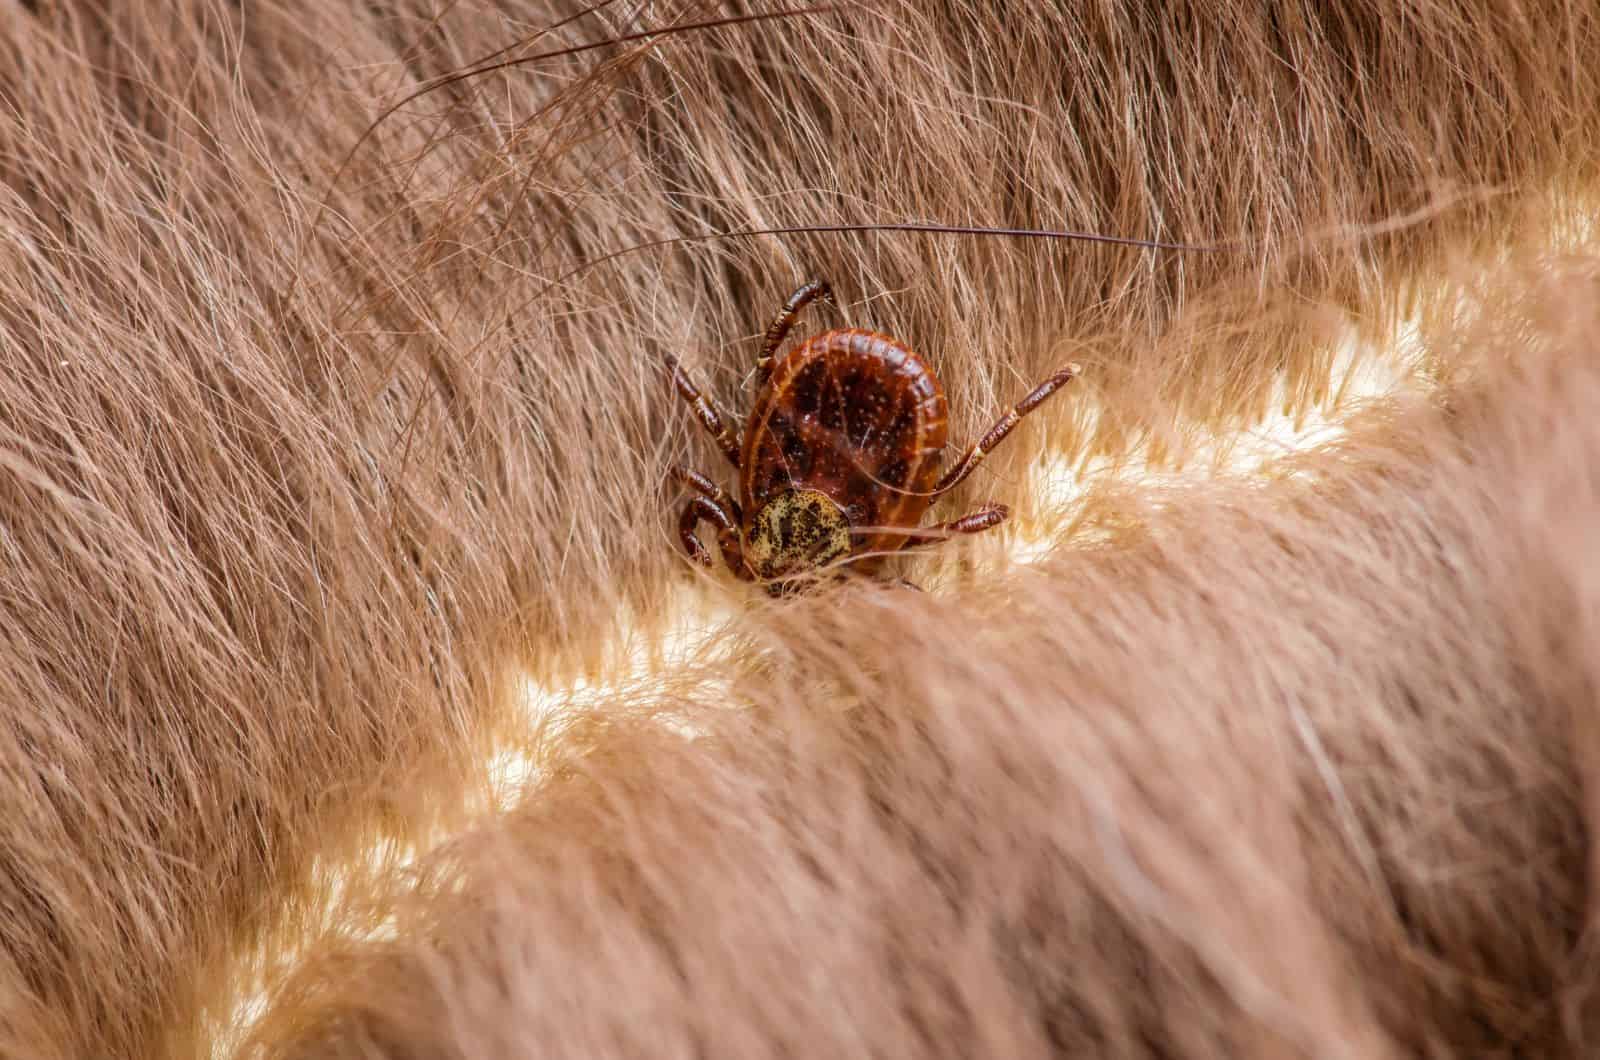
x: 319, y: 422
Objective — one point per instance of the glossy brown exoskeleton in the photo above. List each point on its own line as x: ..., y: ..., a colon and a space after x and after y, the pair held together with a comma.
x: 840, y: 458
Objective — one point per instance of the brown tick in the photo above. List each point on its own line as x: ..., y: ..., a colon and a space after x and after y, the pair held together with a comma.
x: 840, y: 457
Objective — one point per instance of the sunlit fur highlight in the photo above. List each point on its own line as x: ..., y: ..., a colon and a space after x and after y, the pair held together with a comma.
x: 318, y: 436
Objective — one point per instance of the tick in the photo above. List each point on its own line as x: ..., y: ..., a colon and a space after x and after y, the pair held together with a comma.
x: 840, y: 457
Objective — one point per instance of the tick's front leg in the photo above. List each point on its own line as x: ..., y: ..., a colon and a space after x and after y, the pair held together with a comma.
x: 705, y: 509
x: 986, y: 518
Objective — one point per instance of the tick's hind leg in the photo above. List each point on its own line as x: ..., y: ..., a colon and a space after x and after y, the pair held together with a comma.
x: 986, y: 518
x: 704, y: 411
x: 779, y: 328
x: 974, y: 456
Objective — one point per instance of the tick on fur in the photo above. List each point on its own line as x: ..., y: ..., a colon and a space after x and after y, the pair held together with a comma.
x: 840, y: 457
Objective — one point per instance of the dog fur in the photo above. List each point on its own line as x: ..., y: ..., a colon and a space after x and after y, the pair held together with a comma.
x: 321, y: 419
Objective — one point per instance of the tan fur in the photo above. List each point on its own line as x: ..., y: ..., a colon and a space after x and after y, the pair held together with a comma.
x: 307, y: 440
x: 1294, y: 776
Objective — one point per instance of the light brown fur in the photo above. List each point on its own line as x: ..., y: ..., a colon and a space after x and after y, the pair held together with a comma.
x: 305, y: 448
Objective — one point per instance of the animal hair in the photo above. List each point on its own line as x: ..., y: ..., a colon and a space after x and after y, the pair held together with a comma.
x: 1004, y: 823
x: 318, y: 430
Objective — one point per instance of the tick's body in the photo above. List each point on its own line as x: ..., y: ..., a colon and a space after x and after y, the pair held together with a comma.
x: 853, y: 416
x: 840, y: 457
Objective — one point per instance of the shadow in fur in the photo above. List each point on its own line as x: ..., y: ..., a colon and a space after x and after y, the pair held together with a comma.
x: 1294, y: 774
x: 290, y: 469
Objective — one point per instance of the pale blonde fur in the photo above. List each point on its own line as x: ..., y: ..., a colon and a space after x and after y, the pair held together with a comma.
x: 313, y: 426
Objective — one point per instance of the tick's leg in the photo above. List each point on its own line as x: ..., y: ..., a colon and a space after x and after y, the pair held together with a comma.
x: 779, y: 329
x: 706, y: 488
x: 714, y: 506
x: 974, y: 456
x: 704, y: 411
x: 985, y: 518
x: 704, y: 508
